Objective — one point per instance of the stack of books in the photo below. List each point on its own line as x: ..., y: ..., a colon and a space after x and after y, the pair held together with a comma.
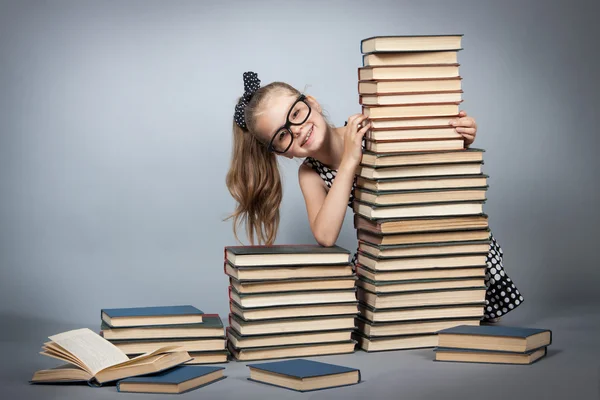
x: 140, y: 330
x: 493, y: 344
x: 88, y: 357
x: 290, y: 301
x: 423, y: 236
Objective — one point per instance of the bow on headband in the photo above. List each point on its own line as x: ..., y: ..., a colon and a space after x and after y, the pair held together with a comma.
x: 251, y: 85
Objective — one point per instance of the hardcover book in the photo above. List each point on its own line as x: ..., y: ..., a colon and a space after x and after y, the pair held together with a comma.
x: 142, y: 316
x: 304, y: 375
x: 176, y: 380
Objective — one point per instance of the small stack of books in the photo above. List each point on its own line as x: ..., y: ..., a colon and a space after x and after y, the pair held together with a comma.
x: 87, y: 357
x: 493, y: 344
x: 90, y: 358
x: 139, y: 330
x: 290, y: 301
x: 423, y: 236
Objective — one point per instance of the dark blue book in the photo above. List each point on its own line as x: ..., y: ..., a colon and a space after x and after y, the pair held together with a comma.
x: 494, y: 337
x: 489, y: 356
x: 303, y: 375
x: 175, y: 380
x: 278, y: 255
x: 144, y: 316
x: 211, y: 326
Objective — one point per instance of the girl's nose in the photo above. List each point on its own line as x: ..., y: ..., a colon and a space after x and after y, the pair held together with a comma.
x: 296, y: 130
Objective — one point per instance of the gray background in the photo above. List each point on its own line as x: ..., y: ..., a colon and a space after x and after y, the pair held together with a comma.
x: 115, y: 139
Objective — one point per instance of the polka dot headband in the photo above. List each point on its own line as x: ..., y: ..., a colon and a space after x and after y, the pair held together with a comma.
x: 251, y: 85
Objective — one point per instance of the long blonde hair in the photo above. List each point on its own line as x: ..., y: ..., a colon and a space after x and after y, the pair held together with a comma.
x: 253, y: 178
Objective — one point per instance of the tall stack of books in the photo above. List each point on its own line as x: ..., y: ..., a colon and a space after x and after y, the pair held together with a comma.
x: 423, y: 236
x: 290, y: 301
x: 139, y: 330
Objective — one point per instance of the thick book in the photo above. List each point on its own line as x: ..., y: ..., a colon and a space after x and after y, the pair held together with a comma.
x: 374, y: 211
x: 376, y: 329
x: 180, y: 379
x: 457, y: 236
x: 282, y: 339
x: 431, y: 196
x: 423, y: 225
x: 391, y: 99
x: 378, y: 160
x: 418, y: 285
x: 448, y: 132
x: 411, y: 111
x: 419, y: 274
x: 304, y: 254
x: 420, y: 171
x: 437, y: 297
x: 495, y: 337
x: 141, y: 316
x: 455, y: 143
x: 395, y: 72
x: 489, y: 357
x: 289, y: 351
x: 414, y: 123
x: 96, y: 361
x: 410, y: 85
x: 301, y: 324
x: 293, y: 285
x: 410, y: 58
x: 437, y: 261
x: 286, y: 312
x: 429, y: 183
x: 411, y: 43
x: 212, y: 326
x: 420, y: 314
x: 394, y: 342
x: 424, y: 250
x: 250, y: 300
x: 304, y: 375
x: 273, y: 273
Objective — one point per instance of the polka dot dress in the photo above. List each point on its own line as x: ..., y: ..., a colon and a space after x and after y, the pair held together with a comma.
x: 502, y: 295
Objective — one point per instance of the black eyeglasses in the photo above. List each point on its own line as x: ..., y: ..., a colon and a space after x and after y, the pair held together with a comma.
x: 282, y: 139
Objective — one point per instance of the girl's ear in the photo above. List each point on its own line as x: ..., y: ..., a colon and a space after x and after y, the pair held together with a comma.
x: 313, y: 103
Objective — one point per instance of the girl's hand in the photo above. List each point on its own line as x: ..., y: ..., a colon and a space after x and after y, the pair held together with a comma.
x: 353, y: 136
x: 466, y: 126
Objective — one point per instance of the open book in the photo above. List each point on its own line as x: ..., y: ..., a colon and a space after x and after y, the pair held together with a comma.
x: 96, y: 361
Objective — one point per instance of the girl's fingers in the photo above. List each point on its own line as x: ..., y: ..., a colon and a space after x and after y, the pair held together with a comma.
x: 470, y: 131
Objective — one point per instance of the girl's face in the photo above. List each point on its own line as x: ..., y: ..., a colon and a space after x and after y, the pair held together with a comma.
x: 292, y: 125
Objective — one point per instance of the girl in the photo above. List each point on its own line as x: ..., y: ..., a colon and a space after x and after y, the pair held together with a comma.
x: 277, y: 119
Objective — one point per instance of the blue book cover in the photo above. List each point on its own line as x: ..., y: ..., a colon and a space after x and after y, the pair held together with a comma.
x: 174, y: 376
x: 302, y: 369
x: 158, y: 311
x: 494, y: 330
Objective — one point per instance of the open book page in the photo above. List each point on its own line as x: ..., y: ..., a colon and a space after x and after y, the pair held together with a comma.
x: 146, y: 356
x: 93, y: 350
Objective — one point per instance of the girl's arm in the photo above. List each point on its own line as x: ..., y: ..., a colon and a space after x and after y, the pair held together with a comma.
x: 326, y: 210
